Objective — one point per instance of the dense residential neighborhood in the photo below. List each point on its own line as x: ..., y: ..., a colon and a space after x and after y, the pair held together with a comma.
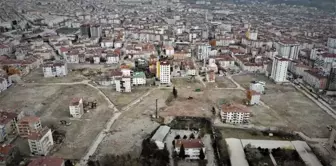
x: 178, y: 83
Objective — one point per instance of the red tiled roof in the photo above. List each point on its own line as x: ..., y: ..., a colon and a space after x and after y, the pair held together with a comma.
x: 192, y: 143
x: 47, y: 161
x: 37, y: 135
x: 29, y: 119
x: 6, y: 117
x: 235, y: 108
x: 75, y: 101
x: 329, y: 55
x: 5, y: 149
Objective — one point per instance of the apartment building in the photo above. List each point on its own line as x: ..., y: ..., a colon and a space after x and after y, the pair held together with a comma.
x: 279, y: 69
x: 7, y: 124
x: 164, y: 72
x: 203, y: 51
x: 315, y: 79
x: 40, y: 142
x: 112, y: 58
x: 3, y: 84
x: 28, y: 124
x: 235, y: 113
x: 123, y: 84
x: 253, y: 97
x: 55, y: 69
x: 288, y: 49
x: 139, y: 78
x: 4, y: 49
x: 192, y: 147
x: 76, y: 107
x: 258, y: 86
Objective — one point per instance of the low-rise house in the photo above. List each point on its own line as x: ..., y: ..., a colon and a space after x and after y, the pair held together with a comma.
x: 225, y: 61
x: 55, y: 69
x: 76, y: 107
x: 72, y: 56
x: 7, y: 154
x: 28, y: 124
x: 4, y: 49
x: 160, y: 136
x: 112, y: 58
x: 192, y: 147
x: 253, y: 97
x: 235, y: 113
x: 139, y: 78
x: 41, y: 141
x: 47, y: 161
x: 7, y: 124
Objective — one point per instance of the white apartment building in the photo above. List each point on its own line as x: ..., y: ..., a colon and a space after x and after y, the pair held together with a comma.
x: 288, y: 49
x: 4, y: 49
x: 123, y: 84
x: 235, y: 113
x: 3, y: 84
x: 72, y: 57
x: 110, y: 59
x: 40, y: 142
x: 192, y: 147
x: 279, y: 69
x: 96, y: 59
x: 76, y: 107
x: 106, y: 43
x: 28, y: 124
x: 139, y: 78
x: 164, y: 72
x: 203, y: 51
x: 332, y: 45
x: 169, y: 50
x: 253, y: 97
x: 55, y: 69
x: 258, y: 86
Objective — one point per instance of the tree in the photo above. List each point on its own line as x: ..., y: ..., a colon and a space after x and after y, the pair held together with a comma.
x: 173, y: 143
x: 177, y: 137
x: 192, y: 136
x: 175, y: 92
x: 182, y: 152
x: 68, y: 163
x: 201, y: 155
x: 185, y: 137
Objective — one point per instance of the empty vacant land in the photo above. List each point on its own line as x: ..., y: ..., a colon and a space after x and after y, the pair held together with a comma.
x: 37, y: 76
x: 133, y: 126
x: 120, y: 100
x: 288, y: 108
x: 186, y: 83
x: 51, y: 104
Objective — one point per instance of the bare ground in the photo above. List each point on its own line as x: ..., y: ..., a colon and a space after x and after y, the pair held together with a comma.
x: 288, y: 108
x: 133, y: 126
x: 51, y: 104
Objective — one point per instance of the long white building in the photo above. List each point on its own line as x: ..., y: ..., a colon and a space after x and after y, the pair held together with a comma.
x: 288, y: 49
x: 203, y: 51
x: 55, y: 69
x: 164, y: 72
x: 279, y: 69
x: 235, y: 113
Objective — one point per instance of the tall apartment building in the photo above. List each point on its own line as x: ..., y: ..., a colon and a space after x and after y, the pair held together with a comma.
x: 331, y: 84
x: 279, y: 69
x: 203, y: 51
x: 235, y: 113
x: 332, y: 45
x: 96, y: 31
x: 55, y: 69
x: 27, y: 125
x: 85, y: 30
x: 164, y: 72
x: 288, y: 49
x: 76, y: 107
x: 40, y: 142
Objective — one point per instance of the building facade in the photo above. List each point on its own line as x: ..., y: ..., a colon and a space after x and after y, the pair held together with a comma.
x: 111, y: 59
x: 76, y: 107
x: 139, y: 78
x: 164, y: 72
x: 235, y: 113
x: 123, y: 84
x: 331, y: 85
x: 192, y: 148
x: 279, y: 69
x: 203, y: 51
x: 289, y: 50
x: 27, y: 125
x: 55, y: 69
x: 7, y: 124
x: 258, y: 86
x: 40, y: 142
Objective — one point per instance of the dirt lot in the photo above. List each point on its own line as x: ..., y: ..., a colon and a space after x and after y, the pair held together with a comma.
x: 37, y: 76
x: 128, y: 131
x: 51, y: 104
x: 186, y: 83
x: 221, y: 82
x: 120, y: 100
x: 288, y: 108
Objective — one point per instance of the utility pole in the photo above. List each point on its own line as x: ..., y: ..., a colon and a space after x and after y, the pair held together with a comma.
x: 156, y: 107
